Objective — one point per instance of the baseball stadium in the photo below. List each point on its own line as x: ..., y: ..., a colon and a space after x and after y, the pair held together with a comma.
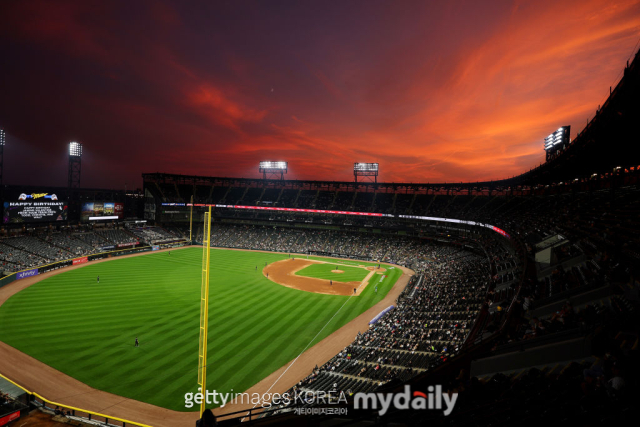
x: 316, y: 300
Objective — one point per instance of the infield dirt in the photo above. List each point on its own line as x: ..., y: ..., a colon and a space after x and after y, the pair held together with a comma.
x: 284, y: 273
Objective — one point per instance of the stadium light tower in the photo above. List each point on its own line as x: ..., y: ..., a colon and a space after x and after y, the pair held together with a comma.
x: 273, y: 169
x: 75, y: 164
x: 557, y: 141
x: 367, y: 170
x: 2, y: 142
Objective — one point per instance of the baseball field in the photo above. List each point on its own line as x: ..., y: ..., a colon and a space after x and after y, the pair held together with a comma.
x: 87, y: 329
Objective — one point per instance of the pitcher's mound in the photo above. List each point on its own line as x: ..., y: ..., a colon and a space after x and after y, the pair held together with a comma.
x: 337, y: 271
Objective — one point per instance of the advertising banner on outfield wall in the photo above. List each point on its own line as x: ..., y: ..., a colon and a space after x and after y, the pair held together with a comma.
x: 80, y: 260
x: 108, y: 248
x: 27, y: 273
x: 155, y: 248
x: 8, y: 418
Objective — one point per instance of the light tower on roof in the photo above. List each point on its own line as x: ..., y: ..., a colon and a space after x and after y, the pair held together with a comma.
x: 366, y: 170
x: 75, y: 164
x: 273, y: 169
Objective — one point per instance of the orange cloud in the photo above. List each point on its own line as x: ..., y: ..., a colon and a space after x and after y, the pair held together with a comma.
x: 212, y: 102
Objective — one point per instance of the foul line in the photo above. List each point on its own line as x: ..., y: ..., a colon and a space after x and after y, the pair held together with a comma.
x: 305, y: 349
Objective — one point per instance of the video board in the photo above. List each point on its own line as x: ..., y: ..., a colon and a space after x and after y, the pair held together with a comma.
x: 95, y: 211
x: 35, y: 207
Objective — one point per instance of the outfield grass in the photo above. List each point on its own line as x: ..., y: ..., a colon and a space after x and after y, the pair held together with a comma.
x: 87, y: 330
x: 323, y: 271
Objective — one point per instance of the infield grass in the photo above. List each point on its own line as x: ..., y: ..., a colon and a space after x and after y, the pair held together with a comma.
x: 324, y: 271
x: 87, y: 330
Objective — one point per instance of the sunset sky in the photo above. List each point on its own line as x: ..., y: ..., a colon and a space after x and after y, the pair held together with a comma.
x: 432, y: 90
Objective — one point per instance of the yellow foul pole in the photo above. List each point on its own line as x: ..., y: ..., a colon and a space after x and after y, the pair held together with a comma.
x: 204, y: 307
x: 191, y: 221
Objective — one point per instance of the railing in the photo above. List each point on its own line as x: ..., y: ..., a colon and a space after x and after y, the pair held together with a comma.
x: 252, y: 414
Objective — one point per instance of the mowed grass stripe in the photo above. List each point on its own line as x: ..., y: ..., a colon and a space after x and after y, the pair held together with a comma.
x: 265, y: 326
x: 87, y: 329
